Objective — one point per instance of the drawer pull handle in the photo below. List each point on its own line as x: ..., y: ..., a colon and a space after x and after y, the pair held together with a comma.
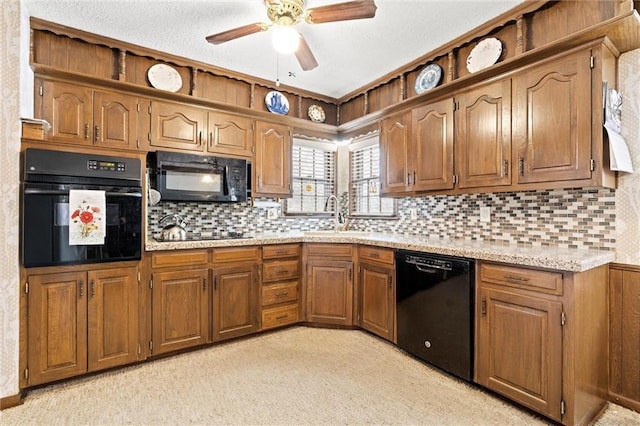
x: 282, y: 252
x: 512, y: 278
x: 484, y: 307
x: 81, y: 288
x: 374, y: 255
x: 282, y: 294
x: 281, y: 317
x: 282, y: 272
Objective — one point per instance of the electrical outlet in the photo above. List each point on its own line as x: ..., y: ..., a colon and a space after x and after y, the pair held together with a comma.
x: 485, y: 214
x: 413, y: 214
x: 272, y: 213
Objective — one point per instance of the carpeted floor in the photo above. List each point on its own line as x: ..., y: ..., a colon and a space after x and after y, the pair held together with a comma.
x: 295, y: 376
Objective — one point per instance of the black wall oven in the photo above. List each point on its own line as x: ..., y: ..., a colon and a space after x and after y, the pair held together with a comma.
x: 48, y: 178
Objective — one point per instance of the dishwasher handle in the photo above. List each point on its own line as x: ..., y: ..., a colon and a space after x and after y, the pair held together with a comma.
x: 429, y: 268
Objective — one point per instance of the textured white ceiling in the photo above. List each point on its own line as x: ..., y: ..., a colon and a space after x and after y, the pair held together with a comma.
x: 350, y: 53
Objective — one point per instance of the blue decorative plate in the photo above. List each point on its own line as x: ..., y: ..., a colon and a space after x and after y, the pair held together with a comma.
x: 277, y: 103
x: 428, y: 78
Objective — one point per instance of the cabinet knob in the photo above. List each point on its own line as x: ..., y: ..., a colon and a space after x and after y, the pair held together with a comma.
x: 93, y: 288
x: 484, y: 307
x: 81, y: 287
x: 96, y: 134
x: 86, y: 131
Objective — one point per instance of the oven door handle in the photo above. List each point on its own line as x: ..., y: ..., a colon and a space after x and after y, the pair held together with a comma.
x: 31, y: 191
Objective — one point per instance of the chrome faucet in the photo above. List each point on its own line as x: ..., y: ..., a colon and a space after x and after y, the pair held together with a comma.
x: 336, y: 212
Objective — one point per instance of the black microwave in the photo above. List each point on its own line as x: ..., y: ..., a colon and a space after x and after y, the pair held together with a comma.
x: 190, y: 177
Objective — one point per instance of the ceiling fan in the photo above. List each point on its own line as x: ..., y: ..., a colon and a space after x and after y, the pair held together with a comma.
x: 285, y: 14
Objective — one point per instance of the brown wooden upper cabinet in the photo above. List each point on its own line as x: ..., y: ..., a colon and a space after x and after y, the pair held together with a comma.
x: 83, y: 116
x: 552, y: 120
x: 483, y: 136
x: 178, y: 126
x: 417, y: 149
x: 272, y: 160
x: 230, y: 134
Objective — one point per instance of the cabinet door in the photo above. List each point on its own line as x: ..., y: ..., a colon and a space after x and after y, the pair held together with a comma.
x: 377, y: 300
x: 178, y: 126
x: 552, y: 120
x: 431, y: 154
x: 395, y: 136
x: 519, y: 349
x: 113, y: 317
x: 235, y: 301
x: 57, y: 326
x: 272, y: 161
x: 180, y: 310
x: 68, y: 109
x: 483, y: 136
x: 330, y: 292
x: 115, y: 120
x: 230, y: 134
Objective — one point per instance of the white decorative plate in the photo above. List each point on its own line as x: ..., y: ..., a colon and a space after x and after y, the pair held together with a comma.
x: 277, y: 103
x: 485, y: 54
x: 428, y: 78
x: 316, y: 113
x: 164, y: 77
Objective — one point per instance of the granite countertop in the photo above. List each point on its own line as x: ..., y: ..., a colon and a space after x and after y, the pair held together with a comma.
x: 574, y: 260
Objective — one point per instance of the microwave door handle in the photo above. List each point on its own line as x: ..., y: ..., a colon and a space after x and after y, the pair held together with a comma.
x: 226, y: 180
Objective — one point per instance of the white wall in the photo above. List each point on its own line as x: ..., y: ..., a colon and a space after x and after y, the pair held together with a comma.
x: 628, y: 192
x: 10, y: 22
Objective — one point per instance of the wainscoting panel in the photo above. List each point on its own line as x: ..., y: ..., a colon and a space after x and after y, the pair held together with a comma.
x: 624, y: 349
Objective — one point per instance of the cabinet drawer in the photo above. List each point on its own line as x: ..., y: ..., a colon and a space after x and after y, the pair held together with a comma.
x: 282, y: 315
x: 280, y: 270
x: 178, y: 258
x: 528, y: 279
x: 334, y: 250
x: 235, y: 254
x: 279, y: 293
x: 280, y: 250
x: 377, y: 254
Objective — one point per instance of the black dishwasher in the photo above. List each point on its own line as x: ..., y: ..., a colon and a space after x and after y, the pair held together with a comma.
x: 434, y: 302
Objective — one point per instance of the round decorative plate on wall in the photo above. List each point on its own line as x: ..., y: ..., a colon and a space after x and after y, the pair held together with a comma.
x: 485, y: 54
x: 277, y: 103
x: 428, y: 78
x: 164, y: 77
x: 316, y: 113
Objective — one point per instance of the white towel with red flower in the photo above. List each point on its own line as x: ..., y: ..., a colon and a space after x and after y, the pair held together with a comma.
x: 86, y: 217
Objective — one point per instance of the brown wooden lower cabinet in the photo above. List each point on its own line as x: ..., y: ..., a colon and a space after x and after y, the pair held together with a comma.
x: 624, y: 345
x: 541, y: 338
x: 376, y: 282
x: 330, y: 292
x: 180, y: 313
x: 80, y: 322
x: 280, y: 285
x: 235, y: 301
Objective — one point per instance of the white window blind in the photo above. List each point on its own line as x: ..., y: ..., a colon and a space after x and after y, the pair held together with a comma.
x: 313, y: 170
x: 365, y: 181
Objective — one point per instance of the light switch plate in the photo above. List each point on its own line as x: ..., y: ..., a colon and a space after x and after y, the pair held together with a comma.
x: 485, y: 214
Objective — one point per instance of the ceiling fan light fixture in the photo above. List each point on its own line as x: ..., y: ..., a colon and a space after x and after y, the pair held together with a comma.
x: 285, y: 39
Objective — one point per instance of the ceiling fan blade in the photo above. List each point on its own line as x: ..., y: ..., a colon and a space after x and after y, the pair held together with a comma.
x: 237, y: 33
x: 342, y: 12
x: 305, y: 56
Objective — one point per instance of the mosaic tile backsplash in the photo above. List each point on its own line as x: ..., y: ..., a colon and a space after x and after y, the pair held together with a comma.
x: 574, y: 218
